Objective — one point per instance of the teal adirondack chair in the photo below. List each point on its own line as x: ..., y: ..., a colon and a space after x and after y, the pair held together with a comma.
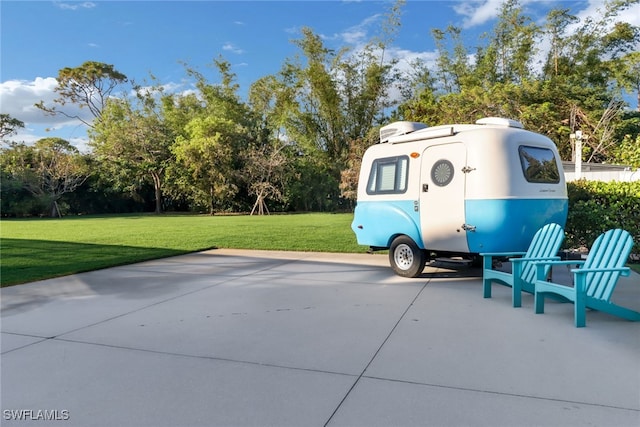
x: 543, y: 247
x: 594, y: 281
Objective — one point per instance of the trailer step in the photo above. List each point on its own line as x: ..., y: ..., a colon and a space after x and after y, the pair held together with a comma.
x: 463, y: 262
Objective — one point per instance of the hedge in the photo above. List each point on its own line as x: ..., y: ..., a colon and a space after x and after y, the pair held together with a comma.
x: 596, y: 206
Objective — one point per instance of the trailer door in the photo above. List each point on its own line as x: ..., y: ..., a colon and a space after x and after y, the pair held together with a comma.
x: 442, y: 195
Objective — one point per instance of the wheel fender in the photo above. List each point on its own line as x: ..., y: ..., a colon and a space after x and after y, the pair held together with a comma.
x: 378, y: 223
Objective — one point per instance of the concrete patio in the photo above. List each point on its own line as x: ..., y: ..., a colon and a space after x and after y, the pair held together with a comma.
x: 251, y: 338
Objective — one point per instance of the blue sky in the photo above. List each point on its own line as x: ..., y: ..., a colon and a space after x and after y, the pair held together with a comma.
x: 38, y: 38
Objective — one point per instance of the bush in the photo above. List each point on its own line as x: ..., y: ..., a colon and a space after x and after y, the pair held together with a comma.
x: 596, y: 206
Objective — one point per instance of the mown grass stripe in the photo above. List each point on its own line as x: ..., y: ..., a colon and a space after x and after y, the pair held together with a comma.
x: 34, y: 249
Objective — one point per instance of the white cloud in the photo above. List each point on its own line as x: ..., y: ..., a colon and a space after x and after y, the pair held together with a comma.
x: 170, y: 87
x: 358, y: 33
x: 631, y: 15
x: 230, y: 47
x: 407, y: 57
x: 74, y: 5
x: 595, y: 8
x: 406, y: 60
x: 478, y: 12
x: 75, y: 134
x: 19, y: 96
x: 18, y: 99
x: 353, y: 36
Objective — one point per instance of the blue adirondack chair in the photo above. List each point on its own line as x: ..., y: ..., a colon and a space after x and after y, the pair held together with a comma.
x: 543, y: 247
x: 594, y: 281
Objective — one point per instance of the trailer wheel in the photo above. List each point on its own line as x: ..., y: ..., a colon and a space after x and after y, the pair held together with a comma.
x: 405, y: 257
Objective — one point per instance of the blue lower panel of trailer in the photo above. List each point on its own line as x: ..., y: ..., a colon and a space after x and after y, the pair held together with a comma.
x: 375, y: 223
x: 509, y: 225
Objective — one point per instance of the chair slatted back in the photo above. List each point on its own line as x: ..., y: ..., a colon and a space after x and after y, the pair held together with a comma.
x: 546, y: 243
x: 610, y: 250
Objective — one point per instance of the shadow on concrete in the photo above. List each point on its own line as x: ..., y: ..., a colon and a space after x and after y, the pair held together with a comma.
x: 30, y: 260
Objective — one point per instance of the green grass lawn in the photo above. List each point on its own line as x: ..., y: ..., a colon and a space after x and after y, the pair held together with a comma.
x: 34, y: 249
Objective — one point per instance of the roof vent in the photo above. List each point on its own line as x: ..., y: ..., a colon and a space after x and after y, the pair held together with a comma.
x: 499, y: 121
x: 399, y: 128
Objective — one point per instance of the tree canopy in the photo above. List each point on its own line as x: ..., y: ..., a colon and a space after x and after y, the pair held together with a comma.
x: 87, y: 86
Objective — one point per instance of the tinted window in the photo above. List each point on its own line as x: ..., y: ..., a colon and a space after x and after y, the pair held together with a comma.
x: 539, y: 165
x: 388, y: 175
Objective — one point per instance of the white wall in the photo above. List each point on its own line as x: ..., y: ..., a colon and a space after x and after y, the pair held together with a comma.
x: 600, y: 172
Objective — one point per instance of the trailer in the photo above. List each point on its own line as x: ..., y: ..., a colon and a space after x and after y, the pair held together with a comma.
x: 457, y: 191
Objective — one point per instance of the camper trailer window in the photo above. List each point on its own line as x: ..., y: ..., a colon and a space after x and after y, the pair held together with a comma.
x: 388, y: 176
x: 539, y: 165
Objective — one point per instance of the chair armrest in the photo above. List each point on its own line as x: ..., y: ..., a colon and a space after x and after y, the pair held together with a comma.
x: 625, y: 271
x: 505, y: 254
x: 542, y: 264
x: 551, y: 258
x: 567, y: 262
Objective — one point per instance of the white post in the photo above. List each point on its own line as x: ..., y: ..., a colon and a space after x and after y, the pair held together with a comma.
x: 578, y: 172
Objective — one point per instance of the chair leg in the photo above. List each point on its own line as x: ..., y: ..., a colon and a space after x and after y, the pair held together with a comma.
x: 580, y: 311
x: 486, y: 287
x: 487, y: 265
x: 538, y: 302
x: 516, y: 297
x: 580, y: 302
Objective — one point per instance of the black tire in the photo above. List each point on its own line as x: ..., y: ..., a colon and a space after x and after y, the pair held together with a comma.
x: 406, y: 258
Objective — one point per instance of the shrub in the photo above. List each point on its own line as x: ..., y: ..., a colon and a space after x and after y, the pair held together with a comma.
x: 596, y: 206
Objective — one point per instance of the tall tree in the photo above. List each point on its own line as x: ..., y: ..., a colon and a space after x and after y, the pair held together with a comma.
x: 557, y: 22
x: 452, y: 63
x: 268, y: 162
x: 213, y: 141
x: 88, y: 86
x: 265, y: 173
x: 334, y: 98
x: 514, y: 44
x: 627, y: 70
x: 133, y: 142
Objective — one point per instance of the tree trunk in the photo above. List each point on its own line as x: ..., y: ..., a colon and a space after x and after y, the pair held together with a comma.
x: 212, y: 210
x: 261, y: 205
x: 158, y: 191
x: 55, y: 210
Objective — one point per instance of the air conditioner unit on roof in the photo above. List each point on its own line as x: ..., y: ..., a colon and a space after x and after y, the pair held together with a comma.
x: 500, y: 121
x: 399, y: 128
